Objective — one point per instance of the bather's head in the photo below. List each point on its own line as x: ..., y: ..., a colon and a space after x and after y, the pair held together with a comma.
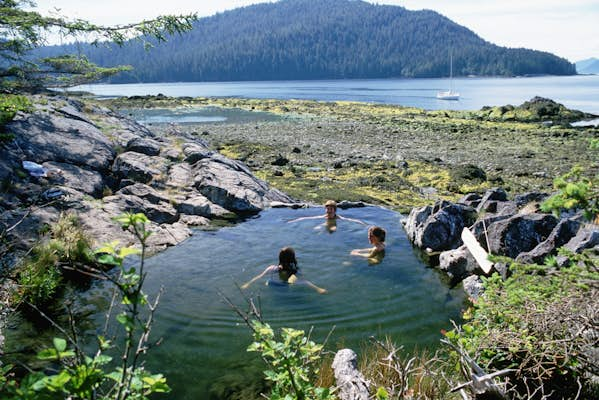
x: 378, y: 233
x: 331, y: 209
x: 287, y: 259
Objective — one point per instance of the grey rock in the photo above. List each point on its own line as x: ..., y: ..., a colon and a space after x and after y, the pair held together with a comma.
x: 439, y: 228
x: 138, y: 167
x: 586, y: 238
x: 473, y: 286
x: 160, y: 213
x: 481, y: 226
x: 231, y: 185
x: 497, y: 194
x: 470, y: 199
x: 149, y: 147
x: 172, y: 154
x: 519, y: 233
x: 80, y: 179
x: 193, y: 220
x: 145, y: 192
x: 458, y: 263
x: 179, y: 176
x: 564, y: 231
x: 529, y: 197
x: 195, y: 152
x: 200, y: 205
x: 350, y: 381
x: 48, y: 137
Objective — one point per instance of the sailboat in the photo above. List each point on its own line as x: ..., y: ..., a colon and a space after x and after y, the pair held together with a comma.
x: 449, y: 94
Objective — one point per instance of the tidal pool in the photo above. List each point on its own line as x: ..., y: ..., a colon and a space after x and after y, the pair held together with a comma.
x: 194, y: 115
x: 203, y: 341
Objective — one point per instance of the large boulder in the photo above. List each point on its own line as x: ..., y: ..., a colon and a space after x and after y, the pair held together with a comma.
x: 458, y: 263
x: 231, y: 185
x: 46, y: 136
x: 138, y: 167
x: 81, y: 179
x: 350, y: 381
x: 198, y: 204
x: 439, y: 228
x: 149, y: 147
x: 160, y: 212
x: 565, y: 230
x: 519, y: 233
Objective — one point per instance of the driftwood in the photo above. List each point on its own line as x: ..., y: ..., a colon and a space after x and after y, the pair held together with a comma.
x: 350, y: 381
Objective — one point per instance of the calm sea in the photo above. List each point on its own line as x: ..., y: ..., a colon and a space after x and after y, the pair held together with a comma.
x: 577, y: 92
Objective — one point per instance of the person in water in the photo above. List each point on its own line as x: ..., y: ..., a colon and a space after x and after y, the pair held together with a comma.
x: 330, y: 216
x: 375, y: 254
x: 287, y: 270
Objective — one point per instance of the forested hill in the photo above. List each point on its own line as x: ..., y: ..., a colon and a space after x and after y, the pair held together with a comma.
x: 318, y: 39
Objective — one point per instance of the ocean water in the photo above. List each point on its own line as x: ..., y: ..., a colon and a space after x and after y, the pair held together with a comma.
x: 577, y: 92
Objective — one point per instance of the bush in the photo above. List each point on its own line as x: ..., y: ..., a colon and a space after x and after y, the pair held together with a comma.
x: 537, y: 322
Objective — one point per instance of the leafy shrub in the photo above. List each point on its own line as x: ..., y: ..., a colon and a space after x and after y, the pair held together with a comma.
x: 575, y: 192
x: 294, y: 363
x: 9, y: 106
x: 536, y: 322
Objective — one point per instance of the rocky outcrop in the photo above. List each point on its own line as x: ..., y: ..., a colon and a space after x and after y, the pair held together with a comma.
x: 350, y: 381
x: 439, y: 227
x: 174, y: 185
x: 513, y: 228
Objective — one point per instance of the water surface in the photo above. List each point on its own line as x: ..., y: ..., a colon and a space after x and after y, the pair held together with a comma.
x: 205, y: 341
x: 577, y: 92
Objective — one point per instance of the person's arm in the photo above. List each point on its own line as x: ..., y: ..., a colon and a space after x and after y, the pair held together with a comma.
x: 366, y: 253
x: 351, y: 220
x: 305, y: 218
x: 254, y: 279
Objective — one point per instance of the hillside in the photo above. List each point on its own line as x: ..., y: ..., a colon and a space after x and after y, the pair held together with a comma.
x: 589, y: 66
x: 320, y: 39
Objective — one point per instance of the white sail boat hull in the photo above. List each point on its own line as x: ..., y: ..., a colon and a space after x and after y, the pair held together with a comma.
x: 448, y: 95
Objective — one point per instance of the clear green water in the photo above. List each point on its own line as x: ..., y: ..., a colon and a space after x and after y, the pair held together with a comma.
x: 203, y: 349
x: 194, y: 115
x: 204, y: 340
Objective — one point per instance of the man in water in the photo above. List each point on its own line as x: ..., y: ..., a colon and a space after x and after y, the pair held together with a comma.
x: 330, y: 216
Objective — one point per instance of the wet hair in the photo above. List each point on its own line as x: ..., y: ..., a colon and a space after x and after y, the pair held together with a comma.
x: 378, y: 232
x: 332, y: 203
x: 287, y: 260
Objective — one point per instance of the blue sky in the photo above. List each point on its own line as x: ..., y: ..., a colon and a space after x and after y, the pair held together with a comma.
x: 569, y: 29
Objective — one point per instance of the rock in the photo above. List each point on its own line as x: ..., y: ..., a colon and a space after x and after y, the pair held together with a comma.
x: 166, y: 235
x: 195, y: 152
x: 138, y: 167
x: 280, y: 161
x: 145, y: 146
x: 231, y: 185
x: 48, y: 137
x: 145, y: 192
x: 564, y: 231
x: 497, y: 194
x: 586, y: 238
x: 193, y: 220
x: 473, y: 286
x: 179, y: 176
x: 519, y: 233
x: 160, y: 212
x: 481, y: 226
x: 200, y: 205
x: 350, y: 381
x: 80, y: 179
x: 439, y: 228
x: 172, y: 154
x: 525, y: 198
x: 458, y: 263
x: 470, y: 199
x: 467, y: 172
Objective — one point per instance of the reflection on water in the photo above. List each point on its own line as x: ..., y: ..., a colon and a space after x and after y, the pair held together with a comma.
x: 204, y: 346
x: 194, y: 115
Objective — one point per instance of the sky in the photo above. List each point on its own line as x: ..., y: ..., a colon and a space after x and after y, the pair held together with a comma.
x: 569, y: 29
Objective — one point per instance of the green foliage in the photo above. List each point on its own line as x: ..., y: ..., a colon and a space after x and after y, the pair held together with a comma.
x: 294, y: 363
x: 531, y: 322
x: 80, y: 376
x: 39, y: 279
x: 23, y: 30
x: 9, y: 106
x: 575, y: 192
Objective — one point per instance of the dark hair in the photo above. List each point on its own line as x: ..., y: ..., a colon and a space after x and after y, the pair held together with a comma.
x: 287, y: 260
x: 378, y: 233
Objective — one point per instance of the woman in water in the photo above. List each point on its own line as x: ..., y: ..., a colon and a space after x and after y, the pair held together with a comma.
x: 287, y: 270
x: 330, y: 216
x: 375, y: 254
